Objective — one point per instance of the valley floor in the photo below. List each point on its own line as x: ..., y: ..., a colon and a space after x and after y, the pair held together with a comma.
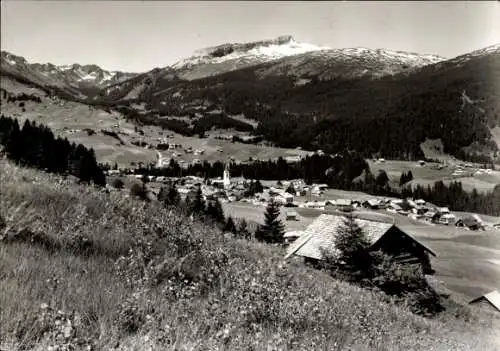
x: 466, y: 262
x: 73, y: 273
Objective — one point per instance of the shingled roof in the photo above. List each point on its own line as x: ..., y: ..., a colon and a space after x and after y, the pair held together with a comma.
x: 319, y: 235
x: 492, y: 297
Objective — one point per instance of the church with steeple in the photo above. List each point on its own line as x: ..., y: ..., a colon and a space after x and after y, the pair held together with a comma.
x: 226, y: 180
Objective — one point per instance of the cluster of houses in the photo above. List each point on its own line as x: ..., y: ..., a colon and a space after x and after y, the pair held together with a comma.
x: 418, y: 210
x: 469, y: 170
x: 296, y: 193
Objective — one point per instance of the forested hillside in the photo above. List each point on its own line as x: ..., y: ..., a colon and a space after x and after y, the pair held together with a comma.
x: 453, y: 100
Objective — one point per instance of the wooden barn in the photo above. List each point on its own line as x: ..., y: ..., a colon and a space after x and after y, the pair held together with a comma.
x: 490, y: 301
x: 319, y: 237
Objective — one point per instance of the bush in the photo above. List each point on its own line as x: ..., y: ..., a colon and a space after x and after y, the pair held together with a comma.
x: 406, y: 281
x: 140, y: 191
x: 243, y: 231
x: 118, y: 183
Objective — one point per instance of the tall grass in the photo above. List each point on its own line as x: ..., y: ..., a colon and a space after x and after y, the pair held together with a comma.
x: 80, y: 268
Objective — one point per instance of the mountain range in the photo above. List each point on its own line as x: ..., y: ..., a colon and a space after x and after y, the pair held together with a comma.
x: 303, y: 95
x: 78, y: 80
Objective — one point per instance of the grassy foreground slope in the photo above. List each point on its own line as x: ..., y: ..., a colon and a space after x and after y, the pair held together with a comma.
x: 84, y: 269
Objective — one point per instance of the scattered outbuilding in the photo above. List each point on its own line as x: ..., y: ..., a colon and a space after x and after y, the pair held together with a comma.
x: 447, y: 219
x: 344, y: 205
x: 291, y: 215
x: 373, y: 204
x: 470, y: 222
x: 490, y: 300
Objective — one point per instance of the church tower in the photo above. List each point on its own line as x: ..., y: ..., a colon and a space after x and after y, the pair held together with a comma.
x: 226, y: 178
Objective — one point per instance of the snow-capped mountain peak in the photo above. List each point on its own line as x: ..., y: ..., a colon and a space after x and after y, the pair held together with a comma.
x: 260, y: 51
x: 72, y: 75
x: 298, y: 59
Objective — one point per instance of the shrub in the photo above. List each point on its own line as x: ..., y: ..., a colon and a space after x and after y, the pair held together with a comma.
x: 118, y: 183
x: 406, y: 281
x: 243, y: 231
x: 140, y: 191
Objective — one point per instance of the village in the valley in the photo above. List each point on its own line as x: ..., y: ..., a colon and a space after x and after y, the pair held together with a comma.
x: 294, y: 195
x: 181, y: 175
x: 310, y: 213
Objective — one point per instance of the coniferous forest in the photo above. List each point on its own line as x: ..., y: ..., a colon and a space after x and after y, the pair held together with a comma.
x: 36, y: 146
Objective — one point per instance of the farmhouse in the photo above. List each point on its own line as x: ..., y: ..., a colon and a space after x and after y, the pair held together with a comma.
x: 490, y: 300
x: 292, y: 159
x: 344, y: 204
x: 420, y: 202
x: 291, y: 215
x: 284, y: 198
x: 469, y: 222
x: 319, y: 237
x: 374, y: 204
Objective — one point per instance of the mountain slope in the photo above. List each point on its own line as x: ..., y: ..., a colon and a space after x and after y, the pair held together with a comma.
x: 279, y: 57
x: 287, y: 56
x: 315, y: 97
x: 78, y: 80
x: 332, y: 112
x: 98, y: 271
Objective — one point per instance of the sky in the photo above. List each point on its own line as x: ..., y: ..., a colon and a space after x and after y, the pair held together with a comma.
x: 137, y: 36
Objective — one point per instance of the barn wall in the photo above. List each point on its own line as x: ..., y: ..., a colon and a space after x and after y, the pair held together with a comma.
x: 399, y: 245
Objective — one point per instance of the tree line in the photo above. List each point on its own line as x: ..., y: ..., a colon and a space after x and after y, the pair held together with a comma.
x: 337, y: 171
x: 19, y: 97
x: 36, y: 146
x: 455, y: 197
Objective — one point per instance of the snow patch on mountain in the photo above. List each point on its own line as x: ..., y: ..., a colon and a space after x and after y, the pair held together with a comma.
x: 72, y: 75
x: 288, y: 49
x: 259, y: 51
x: 294, y: 58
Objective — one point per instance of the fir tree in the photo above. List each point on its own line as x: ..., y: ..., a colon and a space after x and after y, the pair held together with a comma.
x: 382, y: 179
x: 402, y: 179
x: 273, y: 229
x: 243, y: 230
x: 258, y: 188
x: 352, y: 245
x: 290, y: 189
x: 162, y: 195
x: 409, y: 176
x: 173, y: 198
x: 197, y: 206
x: 140, y: 191
x: 215, y: 211
x: 229, y: 226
